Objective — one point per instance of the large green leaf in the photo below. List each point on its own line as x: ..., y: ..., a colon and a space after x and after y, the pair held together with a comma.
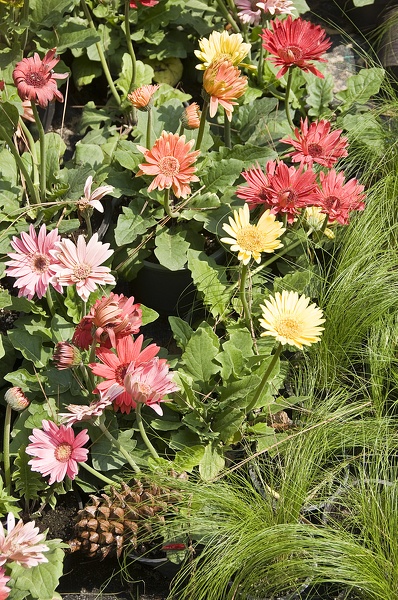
x: 9, y: 117
x: 171, y: 249
x: 49, y: 12
x: 211, y: 280
x: 181, y: 331
x: 104, y: 454
x: 131, y: 223
x: 31, y: 347
x: 220, y: 174
x: 320, y: 94
x: 27, y: 483
x: 199, y: 355
x: 212, y: 463
x: 361, y: 87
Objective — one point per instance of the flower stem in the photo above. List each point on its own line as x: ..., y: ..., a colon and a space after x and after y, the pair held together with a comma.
x: 119, y: 446
x: 325, y: 224
x: 129, y: 44
x: 227, y: 15
x: 21, y: 165
x: 264, y: 380
x: 143, y: 432
x: 50, y: 301
x: 87, y: 220
x: 287, y: 95
x: 6, y: 448
x: 98, y: 474
x: 101, y: 55
x: 42, y: 142
x: 203, y: 116
x: 227, y: 130
x: 32, y: 148
x: 170, y: 213
x: 148, y: 129
x: 242, y: 295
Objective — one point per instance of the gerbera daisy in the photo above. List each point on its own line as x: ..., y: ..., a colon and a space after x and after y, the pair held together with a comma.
x: 20, y: 543
x: 316, y: 143
x: 33, y: 264
x: 147, y: 3
x: 80, y: 412
x: 170, y: 162
x: 190, y: 118
x: 251, y: 240
x: 36, y: 80
x: 79, y: 265
x: 4, y: 590
x: 83, y: 337
x: 92, y: 199
x: 250, y: 11
x: 256, y: 192
x: 16, y: 398
x: 114, y: 317
x: 66, y: 356
x: 291, y: 319
x: 337, y: 199
x: 222, y: 46
x: 295, y: 43
x: 224, y: 83
x: 56, y: 451
x: 277, y: 7
x: 141, y: 98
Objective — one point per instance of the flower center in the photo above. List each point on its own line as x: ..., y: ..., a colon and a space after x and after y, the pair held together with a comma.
x: 169, y: 166
x: 315, y: 150
x: 287, y: 198
x: 288, y: 327
x: 35, y: 79
x: 249, y: 238
x: 63, y: 452
x: 120, y: 373
x: 291, y: 54
x: 143, y: 388
x: 39, y: 262
x: 82, y: 272
x: 331, y: 202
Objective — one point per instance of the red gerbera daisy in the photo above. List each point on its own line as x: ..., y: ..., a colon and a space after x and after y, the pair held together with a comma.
x: 257, y: 190
x: 148, y: 3
x: 316, y: 143
x: 337, y: 199
x: 36, y: 80
x: 294, y: 43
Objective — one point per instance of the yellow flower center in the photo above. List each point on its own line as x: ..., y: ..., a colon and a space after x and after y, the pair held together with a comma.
x: 82, y: 271
x: 63, y: 452
x: 169, y: 166
x: 288, y: 327
x: 39, y: 262
x: 250, y: 238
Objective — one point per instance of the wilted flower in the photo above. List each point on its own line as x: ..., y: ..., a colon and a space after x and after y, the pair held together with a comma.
x: 56, y: 451
x: 290, y: 319
x: 36, y: 80
x: 4, y: 590
x: 92, y: 199
x: 114, y: 317
x: 295, y: 43
x: 222, y: 46
x: 16, y: 399
x: 337, y: 199
x: 80, y: 412
x: 190, y: 118
x: 224, y: 83
x: 21, y: 543
x: 66, y: 356
x: 141, y: 98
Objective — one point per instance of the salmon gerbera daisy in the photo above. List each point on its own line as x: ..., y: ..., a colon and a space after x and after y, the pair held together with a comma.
x: 142, y: 97
x: 35, y: 79
x: 224, y: 84
x: 338, y: 198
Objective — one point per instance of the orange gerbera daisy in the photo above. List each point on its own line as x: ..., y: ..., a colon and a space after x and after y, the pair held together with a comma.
x: 170, y: 160
x: 224, y: 84
x: 141, y: 98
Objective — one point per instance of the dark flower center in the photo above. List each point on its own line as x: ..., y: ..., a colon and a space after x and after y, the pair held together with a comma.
x: 315, y: 150
x: 35, y: 79
x: 331, y: 202
x: 39, y: 262
x: 120, y: 373
x: 287, y: 198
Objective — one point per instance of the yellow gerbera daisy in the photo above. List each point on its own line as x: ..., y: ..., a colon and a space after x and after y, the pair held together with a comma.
x: 222, y: 45
x: 251, y: 240
x: 290, y: 319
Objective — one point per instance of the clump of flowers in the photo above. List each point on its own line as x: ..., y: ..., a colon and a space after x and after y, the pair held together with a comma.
x: 36, y: 80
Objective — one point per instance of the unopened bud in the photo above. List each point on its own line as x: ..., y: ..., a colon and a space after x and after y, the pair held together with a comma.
x: 190, y: 118
x: 66, y: 356
x: 16, y: 399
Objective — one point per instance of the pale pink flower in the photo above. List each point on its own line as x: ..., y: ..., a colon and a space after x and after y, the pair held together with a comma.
x: 66, y: 356
x: 250, y: 11
x: 4, y: 590
x: 57, y: 451
x: 80, y: 265
x: 33, y: 264
x: 16, y: 399
x: 35, y: 79
x: 80, y: 412
x: 21, y: 543
x: 277, y: 7
x: 92, y: 199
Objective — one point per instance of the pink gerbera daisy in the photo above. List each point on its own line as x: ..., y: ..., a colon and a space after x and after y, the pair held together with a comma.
x: 36, y: 80
x: 83, y: 337
x: 115, y: 366
x: 21, y: 543
x: 79, y: 265
x: 256, y: 192
x: 224, y: 84
x: 33, y: 264
x: 142, y: 97
x: 170, y: 161
x: 316, y: 143
x: 4, y: 590
x: 250, y: 11
x: 148, y: 383
x: 295, y: 43
x: 92, y: 199
x: 114, y: 317
x: 81, y: 412
x: 57, y: 451
x: 337, y: 199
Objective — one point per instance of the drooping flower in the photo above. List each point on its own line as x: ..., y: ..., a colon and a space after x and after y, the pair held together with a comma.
x: 222, y: 46
x: 316, y: 143
x: 115, y: 366
x: 190, y: 118
x: 20, y: 543
x: 33, y: 264
x: 224, y: 84
x: 290, y: 189
x: 36, y: 80
x: 56, y: 451
x: 80, y: 265
x: 250, y: 11
x: 337, y: 199
x: 315, y: 219
x: 92, y: 199
x: 147, y: 3
x: 83, y: 337
x: 4, y: 589
x: 295, y: 43
x: 291, y: 319
x: 256, y: 192
x: 66, y: 356
x: 251, y: 240
x: 170, y: 161
x: 142, y: 97
x: 81, y: 412
x: 16, y: 398
x: 115, y: 316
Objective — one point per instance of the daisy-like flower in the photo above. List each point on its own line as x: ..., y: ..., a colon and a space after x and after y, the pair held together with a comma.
x: 147, y: 3
x: 223, y: 83
x: 290, y: 189
x: 295, y: 43
x: 80, y: 412
x: 36, y: 80
x: 115, y: 366
x: 114, y: 317
x: 66, y: 356
x: 256, y: 192
x: 222, y: 46
x: 337, y: 199
x: 250, y: 11
x: 92, y: 199
x: 316, y: 143
x: 142, y: 97
x: 4, y: 589
x: 33, y: 264
x: 170, y: 161
x: 251, y: 240
x: 190, y: 118
x: 56, y: 451
x: 291, y: 319
x: 21, y: 543
x: 16, y: 399
x: 80, y: 265
x: 315, y: 219
x: 277, y: 7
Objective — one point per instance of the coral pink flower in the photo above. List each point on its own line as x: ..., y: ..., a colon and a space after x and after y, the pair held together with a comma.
x: 33, y: 264
x: 291, y: 189
x: 148, y: 383
x: 80, y: 265
x: 4, y: 590
x: 141, y: 98
x: 257, y: 190
x: 148, y: 3
x: 224, y: 84
x: 36, y: 80
x: 57, y: 451
x: 21, y: 543
x: 92, y: 199
x: 16, y: 399
x: 295, y: 43
x: 190, y: 118
x: 337, y: 199
x: 170, y: 160
x: 80, y: 412
x: 115, y: 366
x: 316, y: 143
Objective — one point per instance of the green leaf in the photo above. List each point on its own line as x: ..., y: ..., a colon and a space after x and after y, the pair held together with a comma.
x: 199, y: 355
x: 148, y: 314
x: 358, y: 3
x: 31, y: 347
x: 88, y: 154
x: 27, y: 482
x: 105, y: 456
x: 9, y: 117
x: 144, y: 74
x: 181, y: 331
x: 211, y: 280
x: 69, y: 34
x: 361, y: 87
x: 171, y: 249
x: 248, y: 154
x: 49, y: 12
x: 25, y: 380
x: 221, y: 174
x: 320, y: 94
x: 131, y: 223
x: 250, y: 115
x: 188, y: 458
x: 84, y: 71
x: 228, y: 423
x: 73, y: 304
x: 212, y: 463
x: 61, y: 329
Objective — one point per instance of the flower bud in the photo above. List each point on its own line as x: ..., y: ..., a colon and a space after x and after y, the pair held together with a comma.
x: 141, y: 98
x: 66, y: 356
x: 16, y: 399
x: 190, y: 118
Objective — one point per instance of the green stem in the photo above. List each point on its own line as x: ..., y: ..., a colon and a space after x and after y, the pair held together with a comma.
x: 118, y: 445
x: 101, y: 55
x: 42, y: 142
x: 21, y: 166
x: 87, y: 219
x: 25, y: 19
x: 88, y: 377
x: 148, y: 129
x: 260, y: 68
x: 287, y: 94
x: 201, y: 129
x: 129, y: 44
x: 6, y: 448
x: 98, y: 474
x: 50, y: 301
x: 170, y: 213
x: 32, y: 148
x: 143, y: 432
x: 325, y: 224
x: 264, y: 380
x: 227, y: 15
x: 227, y: 131
x: 242, y: 295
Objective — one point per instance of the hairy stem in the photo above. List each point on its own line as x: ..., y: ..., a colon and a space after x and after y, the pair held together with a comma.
x: 227, y: 131
x: 98, y: 474
x: 243, y: 296
x: 42, y: 142
x: 32, y: 191
x: 201, y: 130
x: 169, y: 212
x: 287, y: 95
x: 6, y: 448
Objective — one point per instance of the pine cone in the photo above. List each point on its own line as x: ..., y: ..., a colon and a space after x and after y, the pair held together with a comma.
x: 107, y: 523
